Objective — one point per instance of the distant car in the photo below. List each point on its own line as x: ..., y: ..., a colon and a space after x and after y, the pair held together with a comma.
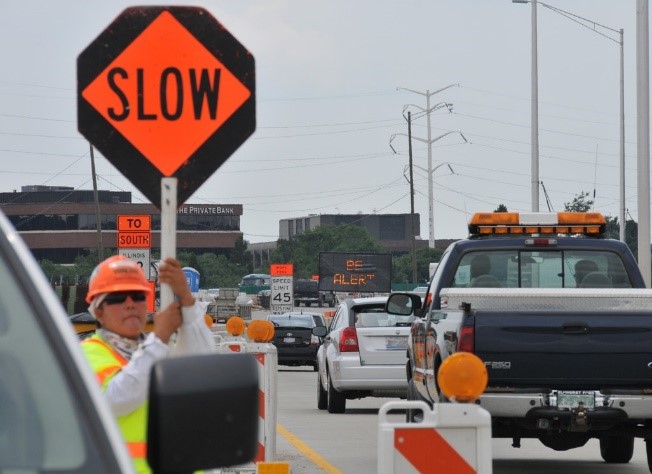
x: 263, y: 298
x: 294, y: 339
x: 363, y: 354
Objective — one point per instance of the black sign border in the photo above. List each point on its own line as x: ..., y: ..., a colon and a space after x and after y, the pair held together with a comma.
x: 375, y: 287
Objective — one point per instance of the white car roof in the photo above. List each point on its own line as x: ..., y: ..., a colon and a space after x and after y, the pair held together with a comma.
x: 369, y: 300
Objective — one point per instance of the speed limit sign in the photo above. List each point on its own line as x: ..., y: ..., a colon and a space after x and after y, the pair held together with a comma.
x: 281, y: 298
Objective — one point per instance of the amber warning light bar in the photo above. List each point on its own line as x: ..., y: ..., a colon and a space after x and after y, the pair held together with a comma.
x: 540, y: 223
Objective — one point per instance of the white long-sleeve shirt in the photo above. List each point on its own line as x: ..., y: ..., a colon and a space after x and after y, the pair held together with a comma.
x: 129, y: 388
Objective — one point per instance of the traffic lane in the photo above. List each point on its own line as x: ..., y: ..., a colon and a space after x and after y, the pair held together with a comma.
x: 538, y: 459
x: 349, y: 441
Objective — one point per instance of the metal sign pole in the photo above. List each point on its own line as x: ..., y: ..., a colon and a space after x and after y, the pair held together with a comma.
x: 168, y: 231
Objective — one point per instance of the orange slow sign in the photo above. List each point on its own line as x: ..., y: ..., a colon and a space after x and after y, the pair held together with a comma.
x: 166, y: 92
x: 281, y: 269
x: 135, y: 223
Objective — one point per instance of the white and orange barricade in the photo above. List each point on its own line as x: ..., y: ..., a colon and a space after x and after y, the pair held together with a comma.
x: 452, y: 438
x: 266, y: 356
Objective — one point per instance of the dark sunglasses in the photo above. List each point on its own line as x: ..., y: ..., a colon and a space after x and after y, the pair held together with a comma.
x: 121, y: 297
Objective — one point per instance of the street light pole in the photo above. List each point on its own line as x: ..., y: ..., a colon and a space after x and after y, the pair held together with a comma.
x: 643, y: 136
x: 534, y: 109
x: 535, y: 114
x: 621, y: 41
x: 428, y: 110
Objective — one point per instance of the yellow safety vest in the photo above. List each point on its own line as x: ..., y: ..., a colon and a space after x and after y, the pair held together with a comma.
x: 106, y: 362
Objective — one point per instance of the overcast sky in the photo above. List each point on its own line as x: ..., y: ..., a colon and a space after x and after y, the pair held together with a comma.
x: 327, y: 74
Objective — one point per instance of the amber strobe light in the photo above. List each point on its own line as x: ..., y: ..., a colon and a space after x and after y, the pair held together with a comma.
x: 462, y: 377
x: 503, y: 223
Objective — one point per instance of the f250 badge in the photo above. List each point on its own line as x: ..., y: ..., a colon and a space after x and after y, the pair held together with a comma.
x: 498, y: 365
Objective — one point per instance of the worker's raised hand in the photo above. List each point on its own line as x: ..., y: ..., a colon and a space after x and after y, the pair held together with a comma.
x: 167, y: 321
x: 171, y: 273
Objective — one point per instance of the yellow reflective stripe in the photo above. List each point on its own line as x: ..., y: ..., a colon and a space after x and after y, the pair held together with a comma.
x: 106, y: 372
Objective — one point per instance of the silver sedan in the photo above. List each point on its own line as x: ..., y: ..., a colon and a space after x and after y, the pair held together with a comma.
x: 363, y: 354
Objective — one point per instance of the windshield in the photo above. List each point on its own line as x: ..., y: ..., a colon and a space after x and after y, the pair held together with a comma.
x: 293, y: 321
x: 377, y: 317
x: 43, y: 427
x: 541, y: 269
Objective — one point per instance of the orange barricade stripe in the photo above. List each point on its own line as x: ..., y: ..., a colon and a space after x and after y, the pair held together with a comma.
x: 261, y: 404
x: 260, y: 454
x: 429, y: 452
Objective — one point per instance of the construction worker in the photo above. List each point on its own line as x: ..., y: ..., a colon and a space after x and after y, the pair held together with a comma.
x: 121, y: 355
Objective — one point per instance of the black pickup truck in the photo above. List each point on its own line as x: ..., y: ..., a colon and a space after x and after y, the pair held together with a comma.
x: 561, y: 319
x: 307, y: 292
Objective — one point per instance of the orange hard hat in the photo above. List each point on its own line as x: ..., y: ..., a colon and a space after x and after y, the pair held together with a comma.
x: 117, y: 273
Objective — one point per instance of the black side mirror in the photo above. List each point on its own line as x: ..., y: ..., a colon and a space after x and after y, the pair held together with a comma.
x: 203, y: 412
x: 403, y: 304
x: 320, y: 331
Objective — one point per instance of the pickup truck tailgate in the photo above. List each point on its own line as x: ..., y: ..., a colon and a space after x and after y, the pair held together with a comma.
x: 574, y: 350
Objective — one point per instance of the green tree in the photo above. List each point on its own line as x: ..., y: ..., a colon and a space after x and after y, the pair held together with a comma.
x: 580, y: 203
x: 631, y: 232
x: 75, y: 274
x: 303, y: 250
x: 219, y: 271
x: 402, y: 265
x: 501, y: 208
x: 241, y: 256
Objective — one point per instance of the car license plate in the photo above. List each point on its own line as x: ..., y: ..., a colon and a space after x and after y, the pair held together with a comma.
x: 289, y: 340
x: 573, y: 399
x: 395, y: 343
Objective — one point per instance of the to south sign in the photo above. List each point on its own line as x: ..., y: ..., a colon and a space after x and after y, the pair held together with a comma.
x: 166, y: 92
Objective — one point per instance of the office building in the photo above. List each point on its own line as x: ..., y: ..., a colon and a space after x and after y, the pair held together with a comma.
x: 391, y: 231
x: 59, y: 223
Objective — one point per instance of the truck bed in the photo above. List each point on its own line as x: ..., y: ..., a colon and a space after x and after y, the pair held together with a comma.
x: 575, y: 339
x: 547, y: 299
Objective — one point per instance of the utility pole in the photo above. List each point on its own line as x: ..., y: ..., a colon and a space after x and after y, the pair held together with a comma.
x: 428, y: 110
x: 623, y: 222
x: 414, y: 244
x: 100, y: 248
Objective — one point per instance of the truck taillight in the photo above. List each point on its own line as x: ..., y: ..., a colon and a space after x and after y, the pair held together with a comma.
x: 314, y: 340
x: 349, y: 340
x: 466, y: 340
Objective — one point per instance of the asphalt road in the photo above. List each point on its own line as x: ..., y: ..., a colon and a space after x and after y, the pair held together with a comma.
x: 347, y: 442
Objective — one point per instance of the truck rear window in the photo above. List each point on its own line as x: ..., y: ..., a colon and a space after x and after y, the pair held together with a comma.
x: 541, y: 269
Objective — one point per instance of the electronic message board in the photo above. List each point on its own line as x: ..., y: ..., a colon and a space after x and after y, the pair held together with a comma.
x: 355, y: 272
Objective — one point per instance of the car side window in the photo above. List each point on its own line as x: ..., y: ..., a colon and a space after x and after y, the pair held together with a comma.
x: 431, y: 298
x: 41, y: 428
x: 336, y: 318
